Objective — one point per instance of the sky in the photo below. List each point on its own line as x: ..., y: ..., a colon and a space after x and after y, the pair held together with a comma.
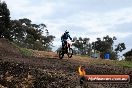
x: 82, y: 18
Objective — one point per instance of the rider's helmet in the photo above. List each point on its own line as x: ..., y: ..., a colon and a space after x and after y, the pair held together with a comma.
x: 66, y: 32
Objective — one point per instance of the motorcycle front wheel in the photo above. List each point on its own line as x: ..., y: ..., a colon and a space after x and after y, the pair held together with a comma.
x: 70, y: 52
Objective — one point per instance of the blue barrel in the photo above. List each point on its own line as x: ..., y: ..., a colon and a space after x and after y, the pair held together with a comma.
x: 107, y: 56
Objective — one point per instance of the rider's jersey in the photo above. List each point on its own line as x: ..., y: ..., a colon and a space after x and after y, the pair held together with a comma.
x: 65, y: 36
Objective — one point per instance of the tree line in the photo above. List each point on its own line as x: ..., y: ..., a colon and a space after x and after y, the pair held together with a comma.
x: 36, y: 36
x: 104, y: 45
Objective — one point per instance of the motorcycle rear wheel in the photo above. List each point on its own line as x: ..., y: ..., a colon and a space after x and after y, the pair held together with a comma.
x: 61, y: 54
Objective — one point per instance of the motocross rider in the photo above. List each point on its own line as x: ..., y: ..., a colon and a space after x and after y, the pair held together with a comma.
x: 64, y: 38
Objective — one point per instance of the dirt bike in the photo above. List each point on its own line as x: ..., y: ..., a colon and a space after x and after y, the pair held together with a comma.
x: 66, y: 50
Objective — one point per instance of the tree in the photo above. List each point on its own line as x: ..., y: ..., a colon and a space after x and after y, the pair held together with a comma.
x: 120, y: 47
x: 18, y: 32
x: 4, y: 21
x: 106, y: 46
x: 128, y: 55
x: 29, y: 35
x: 82, y: 44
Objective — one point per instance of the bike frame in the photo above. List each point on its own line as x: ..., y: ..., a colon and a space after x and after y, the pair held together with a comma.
x: 69, y: 44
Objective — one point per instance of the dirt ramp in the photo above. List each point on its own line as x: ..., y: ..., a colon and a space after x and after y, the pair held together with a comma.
x: 45, y: 54
x: 7, y: 48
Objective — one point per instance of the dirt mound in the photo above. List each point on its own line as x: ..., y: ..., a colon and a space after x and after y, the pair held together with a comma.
x: 45, y: 54
x: 46, y: 73
x: 7, y: 48
x: 19, y: 75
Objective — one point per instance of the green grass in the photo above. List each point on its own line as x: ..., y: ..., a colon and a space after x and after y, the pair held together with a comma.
x: 14, y: 44
x: 23, y: 51
x: 26, y: 52
x: 125, y: 64
x: 84, y: 56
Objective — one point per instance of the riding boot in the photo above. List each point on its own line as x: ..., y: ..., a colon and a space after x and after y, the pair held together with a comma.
x: 66, y: 50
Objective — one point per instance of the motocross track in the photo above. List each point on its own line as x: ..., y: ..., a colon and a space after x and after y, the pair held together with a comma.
x: 46, y: 70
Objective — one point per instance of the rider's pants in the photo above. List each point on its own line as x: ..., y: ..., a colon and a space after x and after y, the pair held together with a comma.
x: 63, y: 44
